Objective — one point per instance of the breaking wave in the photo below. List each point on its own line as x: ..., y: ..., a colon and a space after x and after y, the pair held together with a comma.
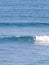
x: 35, y: 39
x: 42, y: 39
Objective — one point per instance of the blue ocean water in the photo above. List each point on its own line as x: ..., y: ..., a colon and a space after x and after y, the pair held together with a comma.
x: 24, y: 32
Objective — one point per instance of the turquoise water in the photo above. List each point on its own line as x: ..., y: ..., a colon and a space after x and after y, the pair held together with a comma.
x: 24, y: 32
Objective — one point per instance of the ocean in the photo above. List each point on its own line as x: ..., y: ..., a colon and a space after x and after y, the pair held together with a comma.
x: 24, y: 32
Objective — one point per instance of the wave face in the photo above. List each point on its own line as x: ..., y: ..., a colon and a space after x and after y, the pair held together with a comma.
x: 35, y: 39
x: 17, y: 38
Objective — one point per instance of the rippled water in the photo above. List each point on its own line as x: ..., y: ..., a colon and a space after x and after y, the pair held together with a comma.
x: 12, y: 53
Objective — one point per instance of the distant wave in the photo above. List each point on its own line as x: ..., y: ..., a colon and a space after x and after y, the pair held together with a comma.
x: 35, y: 39
x: 24, y: 24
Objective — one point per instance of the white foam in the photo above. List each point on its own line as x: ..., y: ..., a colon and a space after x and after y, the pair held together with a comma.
x: 42, y: 39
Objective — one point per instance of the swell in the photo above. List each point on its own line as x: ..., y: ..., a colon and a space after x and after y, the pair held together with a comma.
x: 24, y: 24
